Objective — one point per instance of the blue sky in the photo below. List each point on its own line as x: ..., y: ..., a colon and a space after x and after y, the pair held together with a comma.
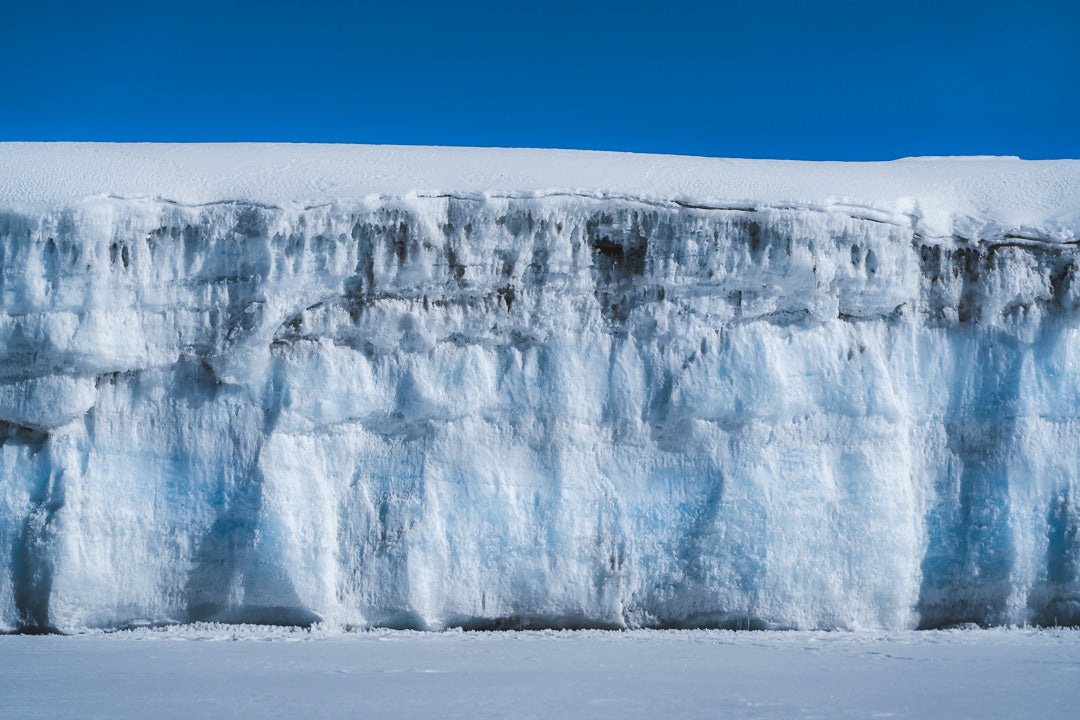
x: 847, y: 80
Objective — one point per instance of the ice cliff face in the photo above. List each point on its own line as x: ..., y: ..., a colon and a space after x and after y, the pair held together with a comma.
x: 546, y: 411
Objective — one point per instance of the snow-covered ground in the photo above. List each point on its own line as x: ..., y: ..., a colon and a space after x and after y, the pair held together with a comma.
x: 246, y: 672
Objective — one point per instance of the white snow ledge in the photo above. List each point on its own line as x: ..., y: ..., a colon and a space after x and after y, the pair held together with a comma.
x: 969, y: 197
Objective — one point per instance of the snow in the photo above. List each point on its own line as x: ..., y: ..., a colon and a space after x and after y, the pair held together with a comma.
x: 255, y: 672
x: 939, y: 192
x: 444, y: 387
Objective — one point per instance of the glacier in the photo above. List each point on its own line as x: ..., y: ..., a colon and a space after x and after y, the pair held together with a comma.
x: 518, y: 401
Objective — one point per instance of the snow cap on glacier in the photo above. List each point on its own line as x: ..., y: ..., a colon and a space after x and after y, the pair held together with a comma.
x: 974, y: 195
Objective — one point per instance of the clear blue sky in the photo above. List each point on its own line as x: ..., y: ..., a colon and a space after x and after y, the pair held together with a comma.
x: 839, y: 79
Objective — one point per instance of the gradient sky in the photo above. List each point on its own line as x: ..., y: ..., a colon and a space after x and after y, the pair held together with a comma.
x: 835, y: 79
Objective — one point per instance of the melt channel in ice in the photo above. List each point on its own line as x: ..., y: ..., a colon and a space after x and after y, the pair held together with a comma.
x: 420, y: 387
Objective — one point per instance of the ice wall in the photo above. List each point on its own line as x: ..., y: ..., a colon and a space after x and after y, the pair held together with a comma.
x: 549, y: 411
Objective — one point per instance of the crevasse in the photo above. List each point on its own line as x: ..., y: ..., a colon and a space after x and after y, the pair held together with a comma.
x: 550, y: 411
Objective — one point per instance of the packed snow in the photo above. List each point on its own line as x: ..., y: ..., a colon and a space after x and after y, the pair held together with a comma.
x: 238, y: 672
x: 447, y: 387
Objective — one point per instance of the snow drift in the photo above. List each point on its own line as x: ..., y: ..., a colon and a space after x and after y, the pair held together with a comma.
x: 272, y: 384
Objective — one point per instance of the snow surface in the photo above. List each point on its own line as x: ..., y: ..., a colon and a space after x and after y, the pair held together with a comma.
x: 1013, y: 194
x: 246, y: 672
x: 422, y: 388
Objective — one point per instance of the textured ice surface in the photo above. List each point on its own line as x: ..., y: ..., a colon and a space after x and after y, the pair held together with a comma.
x: 508, y: 409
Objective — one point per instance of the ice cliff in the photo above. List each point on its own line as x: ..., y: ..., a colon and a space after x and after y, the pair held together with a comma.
x: 429, y: 388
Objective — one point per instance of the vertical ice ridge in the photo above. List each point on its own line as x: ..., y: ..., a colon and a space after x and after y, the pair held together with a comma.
x: 550, y: 411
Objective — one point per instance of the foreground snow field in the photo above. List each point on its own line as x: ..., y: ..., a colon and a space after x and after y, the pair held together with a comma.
x: 424, y: 388
x: 246, y: 672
